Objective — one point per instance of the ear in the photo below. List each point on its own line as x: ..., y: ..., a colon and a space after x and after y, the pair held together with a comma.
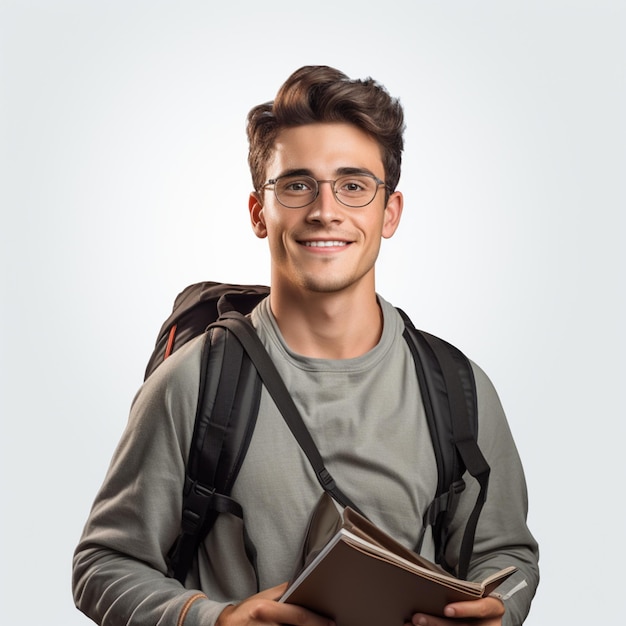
x: 256, y: 215
x: 393, y: 213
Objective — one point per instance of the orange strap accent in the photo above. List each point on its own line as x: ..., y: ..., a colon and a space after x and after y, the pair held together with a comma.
x: 170, y: 342
x: 187, y: 606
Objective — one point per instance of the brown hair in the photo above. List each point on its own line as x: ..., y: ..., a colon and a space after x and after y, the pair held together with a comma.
x: 319, y: 93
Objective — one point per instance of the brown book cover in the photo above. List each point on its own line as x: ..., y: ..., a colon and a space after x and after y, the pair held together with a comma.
x: 356, y: 574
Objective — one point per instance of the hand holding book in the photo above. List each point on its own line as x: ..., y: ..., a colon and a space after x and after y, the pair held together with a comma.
x: 356, y: 574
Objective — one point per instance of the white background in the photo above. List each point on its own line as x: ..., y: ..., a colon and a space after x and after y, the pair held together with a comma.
x: 123, y: 178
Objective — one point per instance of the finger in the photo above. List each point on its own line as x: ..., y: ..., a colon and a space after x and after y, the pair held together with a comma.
x: 420, y: 619
x: 295, y: 616
x: 273, y: 593
x: 262, y: 608
x: 485, y: 608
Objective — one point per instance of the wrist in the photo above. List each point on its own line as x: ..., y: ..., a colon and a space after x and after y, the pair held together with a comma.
x: 222, y: 619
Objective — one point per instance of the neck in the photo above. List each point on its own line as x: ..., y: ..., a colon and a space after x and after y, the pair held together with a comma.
x: 338, y: 325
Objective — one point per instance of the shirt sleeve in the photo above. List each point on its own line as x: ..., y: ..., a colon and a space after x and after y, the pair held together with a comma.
x: 502, y: 534
x: 119, y: 568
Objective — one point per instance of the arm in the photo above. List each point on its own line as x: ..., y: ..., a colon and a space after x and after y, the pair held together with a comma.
x: 119, y: 575
x: 119, y: 564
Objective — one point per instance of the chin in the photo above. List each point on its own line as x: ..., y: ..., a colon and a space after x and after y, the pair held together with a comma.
x: 326, y: 284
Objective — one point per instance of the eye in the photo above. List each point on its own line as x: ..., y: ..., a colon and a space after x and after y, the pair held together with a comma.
x: 295, y: 185
x: 355, y: 185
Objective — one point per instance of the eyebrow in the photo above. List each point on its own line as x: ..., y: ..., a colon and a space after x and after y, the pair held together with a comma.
x: 341, y: 171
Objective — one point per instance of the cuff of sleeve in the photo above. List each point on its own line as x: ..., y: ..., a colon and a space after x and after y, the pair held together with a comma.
x: 196, y: 610
x: 502, y: 593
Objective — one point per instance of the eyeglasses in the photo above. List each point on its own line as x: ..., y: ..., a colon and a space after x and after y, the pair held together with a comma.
x: 297, y: 191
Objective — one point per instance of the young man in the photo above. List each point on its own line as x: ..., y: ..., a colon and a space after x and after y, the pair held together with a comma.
x: 325, y: 160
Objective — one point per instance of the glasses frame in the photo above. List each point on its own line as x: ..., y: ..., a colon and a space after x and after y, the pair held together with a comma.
x: 273, y: 181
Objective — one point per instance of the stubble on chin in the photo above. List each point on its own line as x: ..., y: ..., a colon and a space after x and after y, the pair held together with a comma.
x: 327, y: 282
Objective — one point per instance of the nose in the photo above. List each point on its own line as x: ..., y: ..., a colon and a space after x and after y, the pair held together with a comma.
x: 325, y: 208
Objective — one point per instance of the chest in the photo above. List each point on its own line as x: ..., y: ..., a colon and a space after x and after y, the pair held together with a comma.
x: 371, y: 431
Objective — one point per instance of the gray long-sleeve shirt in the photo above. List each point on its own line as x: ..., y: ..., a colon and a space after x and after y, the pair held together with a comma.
x: 366, y: 416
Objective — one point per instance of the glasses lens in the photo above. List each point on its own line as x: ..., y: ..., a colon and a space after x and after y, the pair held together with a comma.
x: 356, y: 190
x: 295, y: 191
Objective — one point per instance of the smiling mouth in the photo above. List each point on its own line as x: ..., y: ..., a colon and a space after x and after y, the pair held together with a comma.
x: 324, y: 244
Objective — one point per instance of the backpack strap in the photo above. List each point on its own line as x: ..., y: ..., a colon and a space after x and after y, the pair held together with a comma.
x: 245, y: 333
x: 226, y: 415
x: 449, y: 395
x: 459, y: 380
x: 228, y: 406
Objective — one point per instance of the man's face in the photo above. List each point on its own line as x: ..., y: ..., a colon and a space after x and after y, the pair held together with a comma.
x: 324, y: 246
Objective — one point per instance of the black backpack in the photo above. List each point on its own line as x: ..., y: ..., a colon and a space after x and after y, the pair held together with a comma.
x: 235, y: 365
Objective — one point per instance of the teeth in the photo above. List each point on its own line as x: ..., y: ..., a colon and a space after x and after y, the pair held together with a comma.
x: 324, y: 244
